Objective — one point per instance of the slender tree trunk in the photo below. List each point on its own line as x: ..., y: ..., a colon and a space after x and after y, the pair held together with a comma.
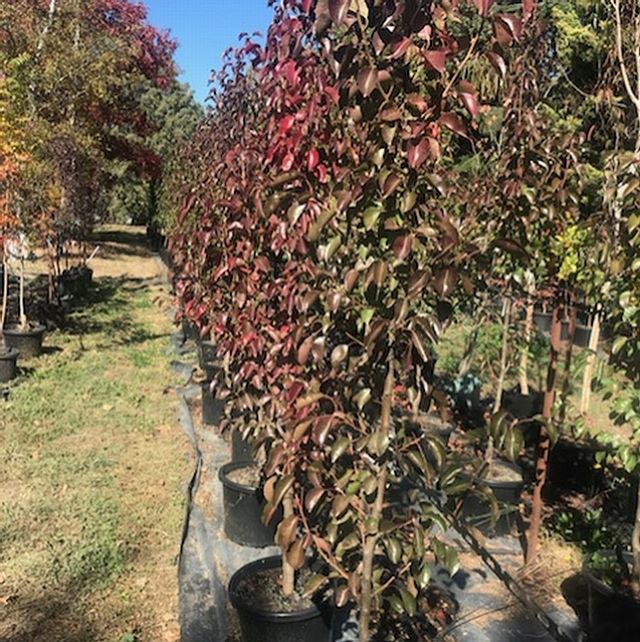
x: 288, y: 572
x: 371, y: 538
x: 23, y: 316
x: 524, y: 355
x: 566, y: 377
x: 5, y: 290
x: 635, y: 547
x: 504, y: 356
x: 587, y: 377
x: 544, y: 443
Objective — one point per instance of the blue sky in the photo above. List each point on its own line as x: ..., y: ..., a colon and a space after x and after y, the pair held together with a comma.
x: 204, y: 29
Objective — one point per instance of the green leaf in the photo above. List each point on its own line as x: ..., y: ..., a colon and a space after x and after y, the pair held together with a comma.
x: 618, y: 344
x: 371, y: 216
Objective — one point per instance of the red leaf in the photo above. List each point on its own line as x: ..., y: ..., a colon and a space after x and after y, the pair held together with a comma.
x: 399, y: 49
x: 402, y: 246
x: 471, y: 103
x: 367, y: 78
x: 528, y: 7
x: 512, y: 23
x: 338, y: 10
x: 286, y: 124
x: 445, y: 281
x: 453, y: 122
x: 417, y: 153
x: 483, y: 6
x: 391, y: 185
x: 436, y: 59
x: 313, y: 158
x: 332, y: 93
x: 497, y: 62
x: 287, y: 162
x: 306, y: 5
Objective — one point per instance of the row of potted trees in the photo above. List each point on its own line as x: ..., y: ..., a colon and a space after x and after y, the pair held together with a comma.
x: 315, y: 246
x: 324, y: 237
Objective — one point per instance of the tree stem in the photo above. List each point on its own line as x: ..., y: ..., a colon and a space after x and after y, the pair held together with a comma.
x: 288, y: 573
x: 544, y: 443
x: 371, y: 539
x: 504, y: 355
x: 524, y: 355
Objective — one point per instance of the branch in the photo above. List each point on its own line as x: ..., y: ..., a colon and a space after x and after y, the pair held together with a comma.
x: 635, y: 98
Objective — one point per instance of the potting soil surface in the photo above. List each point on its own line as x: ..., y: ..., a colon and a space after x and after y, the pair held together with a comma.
x: 487, y: 611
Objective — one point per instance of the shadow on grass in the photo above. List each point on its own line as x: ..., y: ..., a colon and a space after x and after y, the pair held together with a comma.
x: 129, y: 244
x: 51, y: 617
x: 107, y: 311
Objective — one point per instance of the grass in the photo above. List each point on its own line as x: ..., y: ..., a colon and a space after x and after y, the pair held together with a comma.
x: 91, y: 466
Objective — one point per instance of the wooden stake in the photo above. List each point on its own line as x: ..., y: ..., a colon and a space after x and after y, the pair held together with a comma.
x: 524, y: 355
x: 587, y: 377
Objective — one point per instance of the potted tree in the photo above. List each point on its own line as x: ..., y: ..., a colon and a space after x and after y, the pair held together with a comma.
x: 25, y: 336
x: 332, y: 277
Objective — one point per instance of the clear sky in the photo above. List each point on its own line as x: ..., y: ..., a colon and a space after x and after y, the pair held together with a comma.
x: 204, y: 29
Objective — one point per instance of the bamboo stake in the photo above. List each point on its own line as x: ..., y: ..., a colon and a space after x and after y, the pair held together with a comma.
x: 587, y: 378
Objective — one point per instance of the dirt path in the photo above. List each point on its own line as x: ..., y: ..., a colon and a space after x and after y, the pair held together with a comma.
x: 92, y: 464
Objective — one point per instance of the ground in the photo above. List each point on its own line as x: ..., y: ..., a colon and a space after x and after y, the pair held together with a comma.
x: 92, y: 464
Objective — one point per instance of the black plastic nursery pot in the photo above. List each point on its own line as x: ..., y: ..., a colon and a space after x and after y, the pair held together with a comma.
x: 257, y: 625
x: 611, y: 615
x: 27, y: 342
x: 243, y: 511
x: 477, y: 512
x: 211, y: 369
x: 206, y: 352
x: 190, y: 331
x: 212, y: 408
x: 8, y: 364
x: 240, y: 448
x: 582, y: 336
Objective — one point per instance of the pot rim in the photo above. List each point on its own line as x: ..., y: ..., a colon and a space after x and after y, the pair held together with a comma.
x: 599, y: 584
x: 271, y: 562
x: 8, y: 354
x: 34, y: 330
x: 223, y: 476
x: 507, y: 483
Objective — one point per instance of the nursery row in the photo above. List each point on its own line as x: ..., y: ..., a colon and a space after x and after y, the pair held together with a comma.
x: 369, y: 174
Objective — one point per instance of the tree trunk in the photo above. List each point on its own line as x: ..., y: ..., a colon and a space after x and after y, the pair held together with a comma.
x: 288, y: 572
x: 504, y: 354
x: 587, y: 377
x: 566, y: 378
x: 524, y: 355
x: 5, y: 291
x: 635, y: 547
x: 23, y: 316
x: 544, y: 443
x: 371, y: 539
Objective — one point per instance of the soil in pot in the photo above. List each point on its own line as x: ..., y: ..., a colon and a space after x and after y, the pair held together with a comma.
x: 506, y: 482
x: 243, y: 504
x: 28, y: 342
x: 8, y: 361
x: 265, y: 614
